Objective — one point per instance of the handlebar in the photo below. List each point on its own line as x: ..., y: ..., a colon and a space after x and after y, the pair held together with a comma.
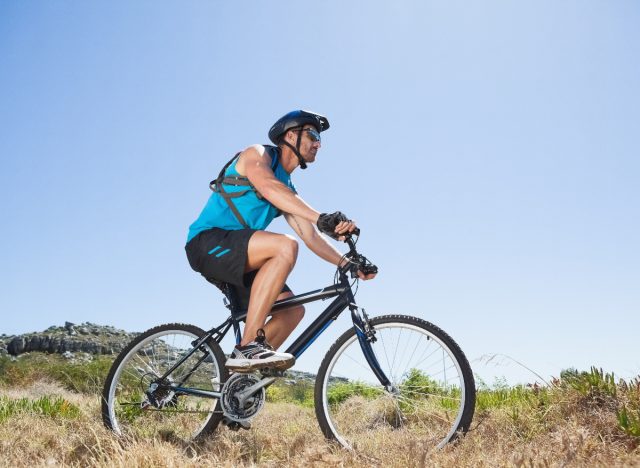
x: 357, y: 262
x: 327, y: 224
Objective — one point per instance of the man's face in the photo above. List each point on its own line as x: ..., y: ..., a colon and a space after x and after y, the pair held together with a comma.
x: 309, y: 142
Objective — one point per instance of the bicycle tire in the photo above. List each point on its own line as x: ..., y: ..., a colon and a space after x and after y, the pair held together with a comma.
x: 186, y: 417
x: 354, y: 409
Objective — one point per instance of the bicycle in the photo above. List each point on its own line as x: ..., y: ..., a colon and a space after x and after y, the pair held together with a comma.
x: 393, y: 375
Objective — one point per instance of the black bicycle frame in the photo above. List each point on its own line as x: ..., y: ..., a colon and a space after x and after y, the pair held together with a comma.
x: 344, y: 299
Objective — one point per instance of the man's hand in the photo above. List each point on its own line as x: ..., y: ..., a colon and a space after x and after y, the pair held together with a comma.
x: 345, y: 227
x: 362, y: 276
x: 336, y: 225
x: 360, y: 267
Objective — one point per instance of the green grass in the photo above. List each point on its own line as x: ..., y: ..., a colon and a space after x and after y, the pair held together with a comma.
x: 54, y: 407
x: 530, y: 408
x: 598, y: 388
x: 300, y: 393
x: 500, y: 396
x: 81, y: 377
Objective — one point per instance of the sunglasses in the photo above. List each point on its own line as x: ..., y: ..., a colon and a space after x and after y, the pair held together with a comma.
x: 313, y: 134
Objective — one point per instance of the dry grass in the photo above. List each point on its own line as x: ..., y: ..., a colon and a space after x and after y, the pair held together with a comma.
x: 570, y: 431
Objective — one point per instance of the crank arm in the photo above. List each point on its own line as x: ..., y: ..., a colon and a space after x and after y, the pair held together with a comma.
x: 243, y: 395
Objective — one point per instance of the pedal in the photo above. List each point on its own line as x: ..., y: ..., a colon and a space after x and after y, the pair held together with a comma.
x: 236, y: 425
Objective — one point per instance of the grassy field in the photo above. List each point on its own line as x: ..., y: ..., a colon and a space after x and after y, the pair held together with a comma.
x: 50, y: 415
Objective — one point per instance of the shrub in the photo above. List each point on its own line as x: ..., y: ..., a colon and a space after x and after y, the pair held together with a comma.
x: 299, y: 392
x: 595, y: 384
x: 342, y: 391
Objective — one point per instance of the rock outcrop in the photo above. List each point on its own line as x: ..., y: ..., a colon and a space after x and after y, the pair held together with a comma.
x: 86, y: 338
x: 82, y: 342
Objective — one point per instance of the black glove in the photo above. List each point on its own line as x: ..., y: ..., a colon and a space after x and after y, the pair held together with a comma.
x: 327, y: 223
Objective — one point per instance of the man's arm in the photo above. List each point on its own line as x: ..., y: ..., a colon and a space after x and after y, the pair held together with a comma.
x: 317, y: 243
x: 255, y: 163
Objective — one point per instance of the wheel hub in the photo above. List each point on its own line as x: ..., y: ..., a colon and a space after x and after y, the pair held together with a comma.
x: 158, y: 394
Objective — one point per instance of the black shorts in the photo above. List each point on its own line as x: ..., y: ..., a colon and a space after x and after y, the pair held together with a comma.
x: 220, y: 256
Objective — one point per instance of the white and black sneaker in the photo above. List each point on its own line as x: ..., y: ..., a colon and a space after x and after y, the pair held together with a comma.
x: 258, y: 355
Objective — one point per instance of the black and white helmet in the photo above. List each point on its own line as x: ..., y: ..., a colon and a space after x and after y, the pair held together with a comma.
x: 295, y: 119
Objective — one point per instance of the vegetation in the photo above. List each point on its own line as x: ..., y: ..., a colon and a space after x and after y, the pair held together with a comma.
x: 297, y: 392
x: 50, y: 414
x: 54, y: 407
x: 80, y: 376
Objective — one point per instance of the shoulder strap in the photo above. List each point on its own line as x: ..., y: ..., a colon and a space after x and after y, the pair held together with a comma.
x: 217, y: 185
x: 220, y: 178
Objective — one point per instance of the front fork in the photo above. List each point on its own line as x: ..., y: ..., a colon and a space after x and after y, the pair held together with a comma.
x: 366, y: 334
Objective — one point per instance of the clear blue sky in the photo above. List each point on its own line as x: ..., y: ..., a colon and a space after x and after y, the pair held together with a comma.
x: 489, y: 151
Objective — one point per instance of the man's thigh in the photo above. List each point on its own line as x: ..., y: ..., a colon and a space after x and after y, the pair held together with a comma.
x: 244, y: 292
x: 264, y: 245
x: 219, y: 254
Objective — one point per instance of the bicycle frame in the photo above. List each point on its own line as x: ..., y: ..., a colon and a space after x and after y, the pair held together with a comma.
x: 344, y: 298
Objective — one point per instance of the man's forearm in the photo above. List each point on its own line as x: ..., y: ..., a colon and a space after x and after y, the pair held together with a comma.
x: 323, y: 249
x: 317, y: 243
x: 285, y: 200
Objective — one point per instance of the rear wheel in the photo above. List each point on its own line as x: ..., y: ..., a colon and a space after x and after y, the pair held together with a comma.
x: 137, y: 402
x: 431, y: 400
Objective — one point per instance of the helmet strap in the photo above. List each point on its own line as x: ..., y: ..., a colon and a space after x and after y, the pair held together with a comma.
x: 296, y: 151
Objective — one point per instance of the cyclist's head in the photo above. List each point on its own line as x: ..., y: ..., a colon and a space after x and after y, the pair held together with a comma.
x: 294, y: 120
x: 300, y: 122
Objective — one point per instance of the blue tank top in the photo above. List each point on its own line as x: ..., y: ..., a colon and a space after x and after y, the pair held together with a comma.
x: 257, y: 212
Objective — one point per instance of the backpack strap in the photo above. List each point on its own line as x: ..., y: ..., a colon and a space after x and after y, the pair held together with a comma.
x: 217, y: 185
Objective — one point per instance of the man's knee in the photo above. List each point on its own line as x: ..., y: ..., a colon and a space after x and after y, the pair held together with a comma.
x: 289, y: 249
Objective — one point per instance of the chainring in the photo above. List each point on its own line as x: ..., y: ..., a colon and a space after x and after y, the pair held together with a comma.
x: 230, y: 403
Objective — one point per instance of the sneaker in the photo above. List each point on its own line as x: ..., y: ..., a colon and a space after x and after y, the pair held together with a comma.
x: 257, y: 355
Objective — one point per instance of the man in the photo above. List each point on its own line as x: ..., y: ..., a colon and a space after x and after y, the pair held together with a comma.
x: 228, y: 242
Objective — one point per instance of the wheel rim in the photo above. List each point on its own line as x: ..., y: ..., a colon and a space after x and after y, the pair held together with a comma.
x: 181, y: 416
x: 429, y: 397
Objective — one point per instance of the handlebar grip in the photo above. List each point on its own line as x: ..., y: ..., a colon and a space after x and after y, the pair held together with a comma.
x: 349, y: 235
x: 368, y: 269
x: 327, y: 223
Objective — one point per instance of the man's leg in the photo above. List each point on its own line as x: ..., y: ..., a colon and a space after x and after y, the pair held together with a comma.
x: 274, y: 256
x: 280, y: 326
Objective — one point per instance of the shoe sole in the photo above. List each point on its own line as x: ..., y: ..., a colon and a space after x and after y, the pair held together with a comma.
x: 251, y: 366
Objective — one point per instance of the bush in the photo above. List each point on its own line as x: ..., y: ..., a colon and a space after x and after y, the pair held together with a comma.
x: 342, y: 391
x: 299, y: 392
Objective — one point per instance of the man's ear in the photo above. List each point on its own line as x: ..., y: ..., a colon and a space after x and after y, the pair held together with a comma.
x: 290, y: 136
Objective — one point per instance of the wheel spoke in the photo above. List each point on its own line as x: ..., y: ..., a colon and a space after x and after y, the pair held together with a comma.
x: 132, y: 405
x: 427, y: 401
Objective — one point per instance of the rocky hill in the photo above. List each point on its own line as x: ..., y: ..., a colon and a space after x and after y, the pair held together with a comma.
x: 84, y: 341
x: 71, y: 338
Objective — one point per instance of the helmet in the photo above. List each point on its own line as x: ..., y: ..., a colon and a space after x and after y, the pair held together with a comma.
x: 294, y: 119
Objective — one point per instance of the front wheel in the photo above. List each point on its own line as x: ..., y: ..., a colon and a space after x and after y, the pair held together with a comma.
x: 431, y: 398
x: 140, y: 399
